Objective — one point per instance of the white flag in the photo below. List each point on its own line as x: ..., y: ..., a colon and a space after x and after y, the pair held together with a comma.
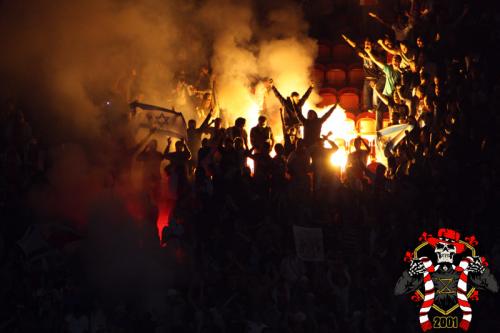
x: 388, y: 138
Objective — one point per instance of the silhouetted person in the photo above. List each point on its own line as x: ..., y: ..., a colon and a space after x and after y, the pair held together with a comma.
x: 151, y: 158
x: 178, y: 166
x: 238, y: 131
x: 217, y: 132
x: 261, y: 134
x: 358, y: 159
x: 194, y: 137
x: 312, y: 125
x: 292, y: 105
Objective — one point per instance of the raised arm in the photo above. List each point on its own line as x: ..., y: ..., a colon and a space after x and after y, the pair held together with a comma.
x: 328, y: 113
x: 375, y: 61
x: 363, y: 56
x: 331, y: 142
x: 277, y: 93
x: 366, y: 145
x: 349, y: 41
x: 301, y: 117
x: 204, y: 126
x: 306, y: 95
x: 167, y: 147
x: 387, y: 49
x: 383, y: 98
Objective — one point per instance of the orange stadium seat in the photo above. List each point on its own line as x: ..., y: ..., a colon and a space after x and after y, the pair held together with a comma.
x: 328, y: 97
x: 366, y: 123
x: 343, y: 53
x: 336, y: 76
x: 318, y: 75
x: 349, y: 99
x: 356, y: 76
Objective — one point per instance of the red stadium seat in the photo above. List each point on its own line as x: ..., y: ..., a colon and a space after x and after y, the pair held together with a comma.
x: 356, y: 76
x: 336, y: 76
x: 328, y: 97
x: 318, y: 75
x: 350, y: 115
x: 342, y: 53
x: 349, y: 99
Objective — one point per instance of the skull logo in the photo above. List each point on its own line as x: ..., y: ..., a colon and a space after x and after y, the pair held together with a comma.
x: 445, y: 252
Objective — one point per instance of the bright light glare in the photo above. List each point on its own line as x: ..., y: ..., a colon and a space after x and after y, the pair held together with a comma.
x: 339, y: 158
x: 251, y: 164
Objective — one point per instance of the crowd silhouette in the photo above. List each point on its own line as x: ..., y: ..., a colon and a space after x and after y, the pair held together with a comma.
x: 229, y: 244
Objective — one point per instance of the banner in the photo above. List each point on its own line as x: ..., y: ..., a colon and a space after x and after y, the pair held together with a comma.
x: 165, y: 121
x: 309, y: 243
x: 388, y: 138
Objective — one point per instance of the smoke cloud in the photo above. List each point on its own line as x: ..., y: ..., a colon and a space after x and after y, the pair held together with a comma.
x: 62, y: 59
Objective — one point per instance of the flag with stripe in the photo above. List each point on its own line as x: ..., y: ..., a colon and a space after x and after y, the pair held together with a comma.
x: 165, y: 121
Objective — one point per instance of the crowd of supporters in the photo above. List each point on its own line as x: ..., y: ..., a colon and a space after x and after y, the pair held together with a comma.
x: 229, y: 243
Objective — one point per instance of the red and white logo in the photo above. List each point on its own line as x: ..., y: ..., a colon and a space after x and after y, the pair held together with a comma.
x: 444, y: 275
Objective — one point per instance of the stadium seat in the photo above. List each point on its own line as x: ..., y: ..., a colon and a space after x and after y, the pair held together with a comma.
x: 349, y: 99
x: 342, y: 53
x: 366, y: 123
x: 328, y: 97
x: 318, y: 75
x: 356, y: 76
x: 324, y: 51
x: 336, y: 76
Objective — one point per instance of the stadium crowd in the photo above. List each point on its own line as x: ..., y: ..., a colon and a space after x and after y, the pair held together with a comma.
x: 230, y: 244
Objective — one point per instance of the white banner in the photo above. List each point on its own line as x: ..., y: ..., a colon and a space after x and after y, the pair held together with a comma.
x: 309, y: 243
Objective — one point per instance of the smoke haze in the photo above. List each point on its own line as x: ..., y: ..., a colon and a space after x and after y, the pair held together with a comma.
x: 61, y: 59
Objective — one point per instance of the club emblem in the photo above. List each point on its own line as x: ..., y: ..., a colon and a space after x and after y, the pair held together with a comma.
x: 445, y: 284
